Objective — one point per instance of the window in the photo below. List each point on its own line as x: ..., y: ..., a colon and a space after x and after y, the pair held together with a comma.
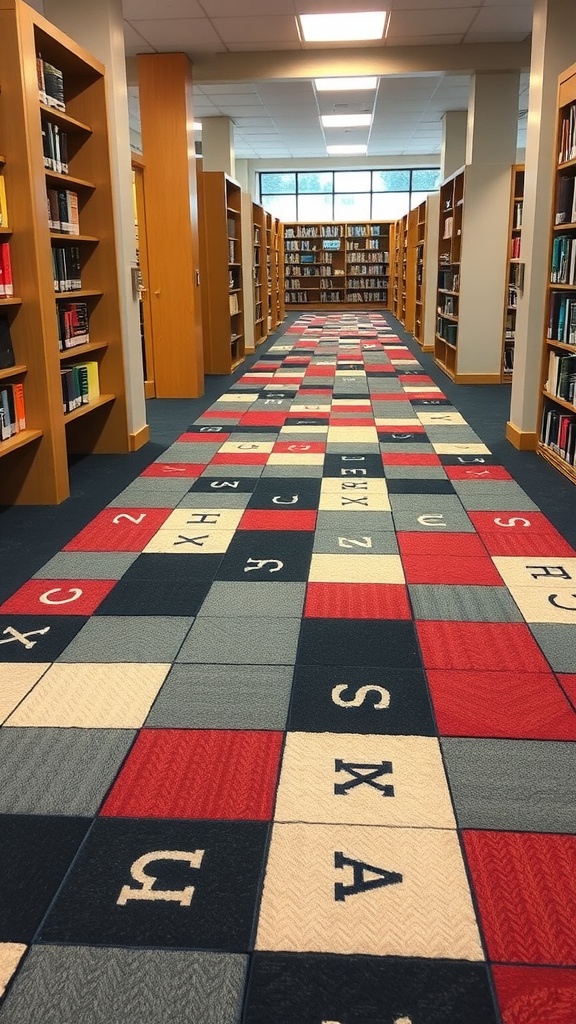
x: 346, y: 195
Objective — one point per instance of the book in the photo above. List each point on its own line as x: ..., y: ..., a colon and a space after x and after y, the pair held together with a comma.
x: 3, y: 204
x: 72, y: 324
x: 18, y: 392
x: 6, y: 285
x: 7, y: 358
x: 40, y: 78
x: 54, y: 86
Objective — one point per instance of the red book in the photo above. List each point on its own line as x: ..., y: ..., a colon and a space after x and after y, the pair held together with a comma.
x: 7, y: 269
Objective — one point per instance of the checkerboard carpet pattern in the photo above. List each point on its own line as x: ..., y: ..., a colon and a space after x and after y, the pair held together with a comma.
x: 288, y: 728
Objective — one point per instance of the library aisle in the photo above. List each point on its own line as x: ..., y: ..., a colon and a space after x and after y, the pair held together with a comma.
x: 288, y: 726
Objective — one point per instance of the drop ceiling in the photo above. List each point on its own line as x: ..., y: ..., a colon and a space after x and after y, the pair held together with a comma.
x: 280, y: 118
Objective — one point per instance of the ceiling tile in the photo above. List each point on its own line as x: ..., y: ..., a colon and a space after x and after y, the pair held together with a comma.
x: 493, y: 37
x: 151, y: 9
x: 429, y: 22
x: 430, y: 40
x: 252, y: 30
x: 264, y: 45
x: 504, y: 19
x: 230, y: 8
x: 185, y: 33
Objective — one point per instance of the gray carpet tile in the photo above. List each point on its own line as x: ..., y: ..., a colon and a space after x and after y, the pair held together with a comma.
x: 87, y: 565
x: 406, y: 447
x: 233, y: 469
x: 463, y: 603
x: 238, y: 641
x: 128, y: 638
x: 166, y: 495
x: 99, y: 985
x: 502, y: 495
x: 285, y: 600
x: 415, y: 473
x: 59, y: 771
x: 514, y: 785
x: 558, y: 642
x: 456, y: 434
x: 189, y: 451
x: 355, y: 541
x: 352, y: 448
x: 223, y: 697
x: 285, y: 470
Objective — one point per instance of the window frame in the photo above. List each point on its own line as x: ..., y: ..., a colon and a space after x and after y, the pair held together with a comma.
x: 333, y: 194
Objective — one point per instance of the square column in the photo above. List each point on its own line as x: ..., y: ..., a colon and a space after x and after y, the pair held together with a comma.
x: 218, y: 145
x: 454, y: 129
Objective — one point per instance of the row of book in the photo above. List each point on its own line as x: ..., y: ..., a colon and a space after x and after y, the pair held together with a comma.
x: 559, y: 433
x: 447, y: 331
x: 366, y: 297
x: 369, y: 282
x: 80, y: 385
x: 63, y: 211
x: 366, y: 268
x: 370, y: 245
x: 562, y: 318
x: 449, y: 305
x: 518, y: 213
x: 561, y: 376
x: 565, y: 212
x: 448, y: 280
x: 515, y: 247
x: 567, y: 148
x: 3, y: 204
x: 6, y: 284
x: 12, y: 410
x: 55, y: 148
x: 234, y: 304
x: 331, y: 296
x: 66, y: 268
x: 72, y: 318
x: 298, y: 296
x: 563, y: 268
x: 50, y: 84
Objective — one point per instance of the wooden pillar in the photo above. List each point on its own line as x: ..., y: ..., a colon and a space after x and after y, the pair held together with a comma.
x: 165, y: 85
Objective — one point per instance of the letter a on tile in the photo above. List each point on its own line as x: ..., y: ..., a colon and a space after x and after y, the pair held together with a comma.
x: 360, y: 883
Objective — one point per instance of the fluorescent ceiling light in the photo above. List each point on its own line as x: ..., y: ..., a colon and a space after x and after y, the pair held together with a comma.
x: 332, y: 28
x: 346, y: 150
x: 344, y: 84
x: 197, y: 126
x: 346, y: 120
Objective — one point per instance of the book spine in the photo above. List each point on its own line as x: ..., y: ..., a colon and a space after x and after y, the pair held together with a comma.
x: 3, y: 204
x: 18, y: 390
x: 40, y: 78
x: 7, y: 268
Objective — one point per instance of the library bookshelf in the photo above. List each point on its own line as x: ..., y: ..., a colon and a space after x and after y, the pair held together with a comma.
x: 220, y: 223
x: 278, y: 298
x: 449, y: 252
x: 337, y: 265
x: 259, y: 283
x: 557, y: 414
x: 514, y: 270
x: 34, y: 462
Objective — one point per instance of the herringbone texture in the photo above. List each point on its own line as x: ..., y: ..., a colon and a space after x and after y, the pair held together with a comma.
x: 288, y: 727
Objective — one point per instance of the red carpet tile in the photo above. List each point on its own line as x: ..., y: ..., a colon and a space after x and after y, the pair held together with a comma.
x: 58, y: 597
x: 356, y: 601
x: 174, y: 469
x: 467, y: 545
x: 204, y: 435
x: 537, y: 545
x: 240, y: 459
x: 525, y: 885
x: 568, y: 684
x: 447, y: 569
x: 185, y: 773
x: 536, y: 995
x: 477, y: 473
x: 306, y: 447
x: 484, y: 646
x: 120, y: 529
x: 264, y: 419
x: 287, y: 519
x: 517, y: 522
x: 516, y: 705
x: 410, y: 459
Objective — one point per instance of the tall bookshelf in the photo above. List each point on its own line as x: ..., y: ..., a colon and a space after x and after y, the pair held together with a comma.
x: 411, y: 270
x: 419, y: 250
x: 34, y: 462
x: 259, y: 288
x: 220, y: 222
x: 339, y: 265
x: 449, y: 252
x: 557, y: 438
x: 397, y: 255
x: 277, y: 255
x: 513, y: 269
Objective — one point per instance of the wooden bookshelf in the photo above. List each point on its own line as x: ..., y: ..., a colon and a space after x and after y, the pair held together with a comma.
x: 337, y: 265
x: 513, y: 270
x: 397, y: 255
x: 420, y: 271
x: 35, y: 466
x: 557, y: 412
x: 259, y: 284
x: 449, y: 252
x: 220, y: 222
x: 278, y: 299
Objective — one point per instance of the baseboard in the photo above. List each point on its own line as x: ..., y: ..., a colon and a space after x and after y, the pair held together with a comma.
x: 477, y: 378
x: 523, y: 440
x: 140, y: 438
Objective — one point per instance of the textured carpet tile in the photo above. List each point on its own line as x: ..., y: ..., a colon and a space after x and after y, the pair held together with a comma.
x: 288, y: 727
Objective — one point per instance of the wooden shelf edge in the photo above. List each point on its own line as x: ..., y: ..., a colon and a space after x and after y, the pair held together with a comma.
x: 62, y: 236
x: 18, y: 441
x: 61, y: 117
x: 68, y: 178
x: 557, y: 461
x: 12, y: 300
x: 561, y: 344
x: 84, y: 293
x: 96, y: 403
x: 559, y: 401
x: 13, y: 371
x: 79, y: 350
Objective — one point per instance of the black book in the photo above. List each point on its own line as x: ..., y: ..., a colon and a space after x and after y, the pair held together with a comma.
x: 6, y: 349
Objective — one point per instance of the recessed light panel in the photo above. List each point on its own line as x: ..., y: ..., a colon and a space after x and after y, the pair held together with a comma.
x: 346, y: 150
x: 342, y: 28
x: 344, y: 84
x: 346, y: 120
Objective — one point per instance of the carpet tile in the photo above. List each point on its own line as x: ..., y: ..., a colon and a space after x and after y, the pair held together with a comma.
x: 288, y: 726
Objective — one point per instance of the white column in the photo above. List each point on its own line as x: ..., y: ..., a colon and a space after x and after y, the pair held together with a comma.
x: 553, y: 50
x: 490, y: 153
x: 454, y: 126
x: 98, y: 26
x: 218, y: 145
